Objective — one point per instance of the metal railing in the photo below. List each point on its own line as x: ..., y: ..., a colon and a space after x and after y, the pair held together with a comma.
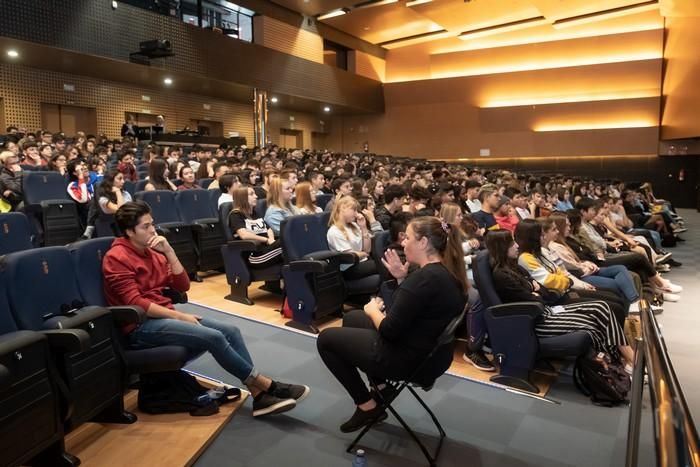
x: 676, y: 438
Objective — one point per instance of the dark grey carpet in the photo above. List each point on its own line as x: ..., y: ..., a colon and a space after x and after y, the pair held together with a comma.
x: 485, y: 426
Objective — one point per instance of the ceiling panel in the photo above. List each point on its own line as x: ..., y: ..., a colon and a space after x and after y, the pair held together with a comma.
x: 383, y: 23
x: 460, y: 16
x: 558, y: 9
x: 313, y: 7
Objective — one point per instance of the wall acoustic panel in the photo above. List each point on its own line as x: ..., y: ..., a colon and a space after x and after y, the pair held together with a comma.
x: 24, y: 90
x: 286, y: 38
x: 92, y: 27
x: 368, y: 65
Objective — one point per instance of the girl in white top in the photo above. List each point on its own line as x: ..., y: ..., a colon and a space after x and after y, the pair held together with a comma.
x: 348, y: 233
x: 306, y: 199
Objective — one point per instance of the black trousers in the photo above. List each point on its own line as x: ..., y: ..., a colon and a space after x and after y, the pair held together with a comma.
x: 353, y: 348
x: 633, y: 262
x: 360, y: 270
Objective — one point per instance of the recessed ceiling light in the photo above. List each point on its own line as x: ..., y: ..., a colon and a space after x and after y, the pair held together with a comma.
x: 326, y: 109
x: 333, y: 14
x: 168, y: 81
x: 12, y: 53
x: 273, y: 100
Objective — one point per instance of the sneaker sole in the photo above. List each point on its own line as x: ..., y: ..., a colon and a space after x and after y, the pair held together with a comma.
x: 307, y: 391
x: 280, y: 407
x: 379, y: 420
x: 468, y: 360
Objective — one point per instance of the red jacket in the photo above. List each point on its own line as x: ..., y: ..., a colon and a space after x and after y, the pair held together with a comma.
x: 138, y: 278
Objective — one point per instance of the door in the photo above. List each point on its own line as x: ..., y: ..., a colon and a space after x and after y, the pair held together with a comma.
x: 68, y: 119
x: 291, y: 139
x: 318, y: 140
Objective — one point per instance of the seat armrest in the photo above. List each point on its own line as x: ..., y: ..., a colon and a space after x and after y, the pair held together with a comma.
x: 5, y: 380
x: 532, y: 309
x: 205, y: 221
x: 341, y: 257
x: 68, y: 340
x: 127, y: 314
x: 242, y: 245
x: 308, y: 265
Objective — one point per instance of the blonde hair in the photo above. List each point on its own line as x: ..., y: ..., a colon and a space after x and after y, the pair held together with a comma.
x: 274, y: 194
x: 335, y: 220
x: 448, y: 213
x: 303, y: 194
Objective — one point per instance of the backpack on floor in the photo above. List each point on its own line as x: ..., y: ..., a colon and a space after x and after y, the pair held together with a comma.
x: 179, y: 391
x: 604, y: 381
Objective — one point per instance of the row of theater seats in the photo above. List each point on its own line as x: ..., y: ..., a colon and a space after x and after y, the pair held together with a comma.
x: 63, y: 360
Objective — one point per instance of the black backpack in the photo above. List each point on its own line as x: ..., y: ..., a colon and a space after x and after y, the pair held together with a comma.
x: 179, y: 391
x: 606, y: 382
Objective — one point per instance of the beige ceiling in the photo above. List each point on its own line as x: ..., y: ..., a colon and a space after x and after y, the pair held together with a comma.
x: 395, y: 21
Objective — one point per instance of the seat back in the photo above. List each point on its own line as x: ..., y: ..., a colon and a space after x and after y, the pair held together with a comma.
x: 15, y: 233
x: 224, y: 211
x: 48, y: 271
x: 205, y: 182
x: 140, y: 185
x: 163, y: 207
x: 44, y: 186
x: 130, y: 187
x: 7, y: 321
x: 302, y: 235
x: 380, y: 242
x: 483, y: 279
x: 323, y: 199
x: 214, y: 199
x: 261, y: 207
x: 87, y: 258
x: 194, y: 205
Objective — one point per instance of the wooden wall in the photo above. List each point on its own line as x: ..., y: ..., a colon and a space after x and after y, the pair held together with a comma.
x: 286, y: 38
x: 565, y: 98
x: 23, y: 90
x: 681, y: 89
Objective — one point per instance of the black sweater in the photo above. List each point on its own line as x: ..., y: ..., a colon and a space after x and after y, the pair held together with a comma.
x: 422, y: 307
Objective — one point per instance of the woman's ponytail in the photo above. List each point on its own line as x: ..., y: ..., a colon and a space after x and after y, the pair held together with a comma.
x: 453, y: 256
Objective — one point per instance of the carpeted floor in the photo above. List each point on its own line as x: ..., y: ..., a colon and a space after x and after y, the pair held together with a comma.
x: 485, y: 427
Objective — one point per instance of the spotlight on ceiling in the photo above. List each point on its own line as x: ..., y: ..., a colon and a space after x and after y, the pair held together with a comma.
x: 326, y: 109
x: 168, y: 81
x: 12, y: 53
x: 274, y: 100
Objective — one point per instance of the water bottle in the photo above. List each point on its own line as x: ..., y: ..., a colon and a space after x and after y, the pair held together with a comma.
x: 360, y: 460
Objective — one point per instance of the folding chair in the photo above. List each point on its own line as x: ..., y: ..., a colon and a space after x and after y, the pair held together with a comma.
x: 416, y: 379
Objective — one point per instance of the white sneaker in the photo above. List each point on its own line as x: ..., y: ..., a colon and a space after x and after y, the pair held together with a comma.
x: 634, y: 308
x: 671, y: 287
x: 671, y: 297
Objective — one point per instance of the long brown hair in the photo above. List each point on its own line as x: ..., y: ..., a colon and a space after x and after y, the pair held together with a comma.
x: 240, y: 201
x: 303, y: 195
x: 448, y: 213
x: 446, y: 240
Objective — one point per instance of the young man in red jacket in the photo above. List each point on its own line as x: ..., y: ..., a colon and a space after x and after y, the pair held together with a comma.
x: 137, y: 268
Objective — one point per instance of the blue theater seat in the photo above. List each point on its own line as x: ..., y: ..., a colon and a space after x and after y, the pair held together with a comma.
x: 15, y: 233
x: 46, y: 198
x: 196, y: 210
x: 511, y: 329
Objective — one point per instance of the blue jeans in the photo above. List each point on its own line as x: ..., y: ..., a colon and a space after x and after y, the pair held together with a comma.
x: 222, y: 340
x: 656, y: 236
x: 615, y: 277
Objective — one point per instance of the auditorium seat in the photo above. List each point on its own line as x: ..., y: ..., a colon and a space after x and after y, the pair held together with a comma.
x: 511, y: 330
x: 196, y: 210
x: 15, y: 233
x: 87, y: 258
x: 93, y: 374
x: 46, y: 198
x: 313, y: 282
x: 167, y: 219
x: 205, y: 182
x: 31, y: 419
x: 323, y: 199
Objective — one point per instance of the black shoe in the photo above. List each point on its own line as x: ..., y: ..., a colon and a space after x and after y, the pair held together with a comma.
x: 674, y: 264
x: 385, y: 394
x: 267, y: 404
x: 479, y: 360
x: 298, y: 392
x: 361, y: 418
